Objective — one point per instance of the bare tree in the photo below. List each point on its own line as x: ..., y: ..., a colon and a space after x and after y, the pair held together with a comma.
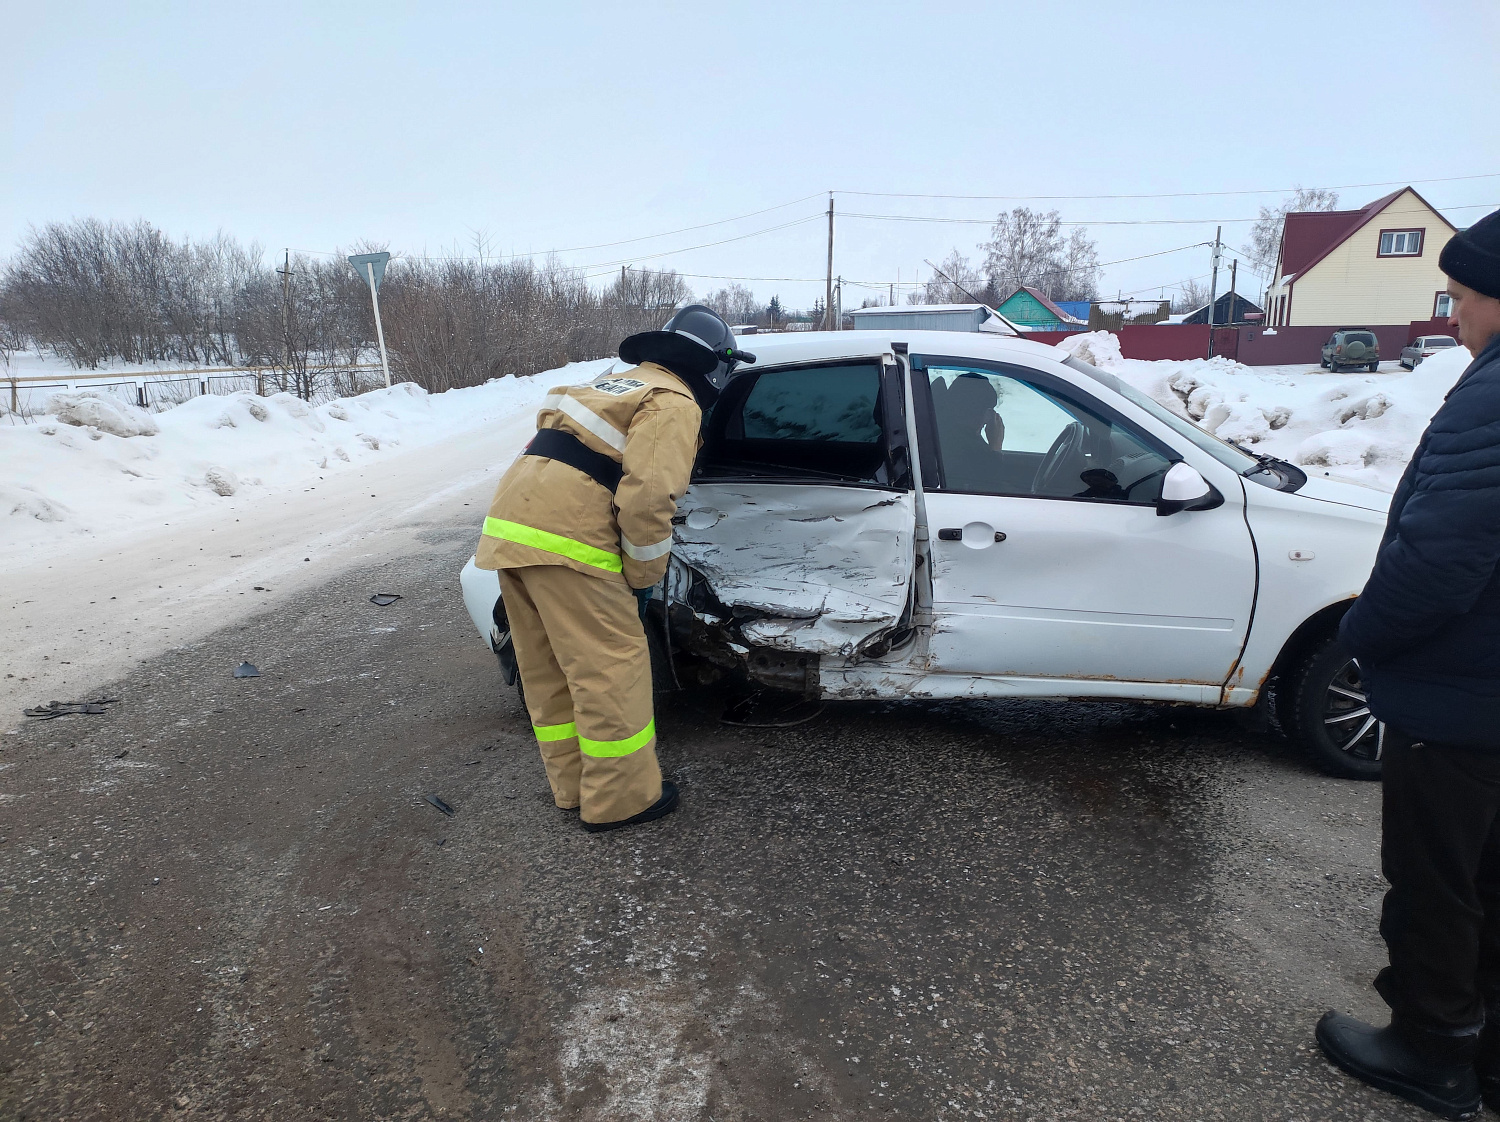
x: 737, y: 304
x: 960, y: 281
x: 1027, y: 248
x: 1264, y: 245
x: 1192, y: 294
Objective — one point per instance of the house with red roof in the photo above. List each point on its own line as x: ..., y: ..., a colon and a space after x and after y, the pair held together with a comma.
x: 1374, y: 266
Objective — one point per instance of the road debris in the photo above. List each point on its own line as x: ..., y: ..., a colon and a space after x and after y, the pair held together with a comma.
x: 54, y: 709
x: 441, y: 805
x: 381, y: 599
x: 122, y: 753
x: 247, y: 670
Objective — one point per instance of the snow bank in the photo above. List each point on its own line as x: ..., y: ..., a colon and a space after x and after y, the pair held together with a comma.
x: 1357, y: 427
x: 96, y: 466
x: 95, y: 410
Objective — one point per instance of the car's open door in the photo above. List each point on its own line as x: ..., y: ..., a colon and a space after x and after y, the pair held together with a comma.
x: 801, y: 515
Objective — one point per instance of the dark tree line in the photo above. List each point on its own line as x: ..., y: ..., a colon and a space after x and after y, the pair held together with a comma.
x: 96, y: 292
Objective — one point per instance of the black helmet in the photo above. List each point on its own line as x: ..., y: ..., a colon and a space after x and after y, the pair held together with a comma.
x: 696, y: 345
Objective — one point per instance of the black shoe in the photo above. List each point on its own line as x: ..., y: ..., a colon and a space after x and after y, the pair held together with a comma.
x: 1436, y: 1072
x: 659, y: 809
x: 1487, y: 1066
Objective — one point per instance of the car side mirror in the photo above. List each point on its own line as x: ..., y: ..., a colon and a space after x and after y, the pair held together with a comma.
x: 1184, y: 488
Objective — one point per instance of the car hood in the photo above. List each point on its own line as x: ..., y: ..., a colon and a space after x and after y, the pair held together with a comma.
x: 1345, y: 492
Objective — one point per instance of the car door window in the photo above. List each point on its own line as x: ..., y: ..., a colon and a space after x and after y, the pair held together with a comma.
x: 820, y: 422
x: 1003, y: 434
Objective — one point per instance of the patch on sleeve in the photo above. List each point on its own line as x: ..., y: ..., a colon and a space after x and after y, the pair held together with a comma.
x: 618, y: 386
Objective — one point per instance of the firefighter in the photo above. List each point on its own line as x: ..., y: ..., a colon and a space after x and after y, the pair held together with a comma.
x: 580, y: 529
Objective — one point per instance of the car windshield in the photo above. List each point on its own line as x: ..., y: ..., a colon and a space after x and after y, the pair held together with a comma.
x: 1229, y: 455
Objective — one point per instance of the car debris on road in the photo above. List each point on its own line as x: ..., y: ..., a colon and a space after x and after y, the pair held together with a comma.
x: 54, y: 709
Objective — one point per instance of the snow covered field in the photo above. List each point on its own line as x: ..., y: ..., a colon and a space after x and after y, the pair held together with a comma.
x: 97, y: 468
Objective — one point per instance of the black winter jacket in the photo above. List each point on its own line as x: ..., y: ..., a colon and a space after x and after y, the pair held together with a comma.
x: 1426, y: 628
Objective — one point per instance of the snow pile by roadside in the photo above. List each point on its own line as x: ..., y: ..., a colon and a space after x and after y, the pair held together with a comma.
x: 96, y: 466
x: 1358, y: 427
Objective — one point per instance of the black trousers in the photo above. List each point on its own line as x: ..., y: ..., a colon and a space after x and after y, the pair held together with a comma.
x: 1440, y: 851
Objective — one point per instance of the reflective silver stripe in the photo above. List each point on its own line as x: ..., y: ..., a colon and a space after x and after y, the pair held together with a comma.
x: 646, y: 552
x: 690, y: 335
x: 586, y: 417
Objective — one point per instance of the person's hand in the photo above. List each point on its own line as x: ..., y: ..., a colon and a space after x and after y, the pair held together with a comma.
x: 994, y: 431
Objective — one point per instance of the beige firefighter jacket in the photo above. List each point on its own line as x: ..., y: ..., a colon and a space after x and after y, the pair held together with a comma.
x: 548, y: 513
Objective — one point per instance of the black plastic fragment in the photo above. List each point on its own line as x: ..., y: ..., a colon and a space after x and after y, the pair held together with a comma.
x: 441, y: 805
x: 54, y: 709
x: 381, y: 599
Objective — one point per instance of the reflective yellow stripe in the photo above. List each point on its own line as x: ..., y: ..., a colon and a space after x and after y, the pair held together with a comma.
x: 617, y: 747
x: 553, y: 543
x: 556, y: 732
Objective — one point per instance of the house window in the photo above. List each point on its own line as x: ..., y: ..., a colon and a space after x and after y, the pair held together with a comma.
x: 1400, y: 243
x: 1442, y: 306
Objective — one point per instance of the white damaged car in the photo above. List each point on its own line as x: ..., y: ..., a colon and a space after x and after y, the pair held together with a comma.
x: 904, y: 514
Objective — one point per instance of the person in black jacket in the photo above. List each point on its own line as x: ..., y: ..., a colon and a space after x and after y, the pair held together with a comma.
x: 1426, y: 632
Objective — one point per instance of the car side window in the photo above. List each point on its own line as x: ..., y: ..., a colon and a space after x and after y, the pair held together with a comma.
x: 1000, y: 434
x: 812, y: 422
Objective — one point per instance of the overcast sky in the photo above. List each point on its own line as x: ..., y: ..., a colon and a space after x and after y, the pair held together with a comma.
x: 558, y: 125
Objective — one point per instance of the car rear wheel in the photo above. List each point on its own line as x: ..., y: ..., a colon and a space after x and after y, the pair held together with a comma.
x: 1324, y: 707
x: 1375, y: 367
x: 1323, y: 363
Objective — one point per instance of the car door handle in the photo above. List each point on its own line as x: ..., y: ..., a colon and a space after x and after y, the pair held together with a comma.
x: 956, y: 534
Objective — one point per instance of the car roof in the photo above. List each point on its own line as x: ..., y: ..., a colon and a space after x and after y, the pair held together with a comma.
x: 779, y: 348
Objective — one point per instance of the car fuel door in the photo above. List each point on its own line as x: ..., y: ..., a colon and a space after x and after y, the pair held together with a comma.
x: 801, y: 515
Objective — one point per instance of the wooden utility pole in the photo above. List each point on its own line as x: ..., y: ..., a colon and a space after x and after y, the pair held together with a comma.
x: 1213, y: 289
x: 828, y: 290
x: 1234, y: 276
x: 286, y: 321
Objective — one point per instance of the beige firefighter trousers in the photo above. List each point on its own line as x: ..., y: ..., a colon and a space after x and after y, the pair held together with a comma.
x: 586, y: 673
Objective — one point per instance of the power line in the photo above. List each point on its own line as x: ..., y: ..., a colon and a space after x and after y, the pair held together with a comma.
x: 1165, y: 194
x: 705, y: 245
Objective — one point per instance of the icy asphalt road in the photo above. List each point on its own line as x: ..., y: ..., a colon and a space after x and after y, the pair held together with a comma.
x: 228, y: 899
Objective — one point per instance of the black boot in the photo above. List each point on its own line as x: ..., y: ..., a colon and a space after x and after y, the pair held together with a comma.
x: 1432, y: 1070
x: 659, y: 809
x: 1487, y: 1065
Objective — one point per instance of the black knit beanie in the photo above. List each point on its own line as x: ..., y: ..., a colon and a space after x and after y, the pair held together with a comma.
x: 1472, y: 256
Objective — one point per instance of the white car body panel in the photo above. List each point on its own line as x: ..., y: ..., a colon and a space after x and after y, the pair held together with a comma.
x: 481, y: 588
x: 1161, y: 614
x: 830, y: 565
x: 1090, y: 590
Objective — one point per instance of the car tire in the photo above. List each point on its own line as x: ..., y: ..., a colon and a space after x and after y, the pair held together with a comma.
x: 1375, y: 367
x: 1404, y: 365
x: 1322, y: 707
x: 1323, y: 362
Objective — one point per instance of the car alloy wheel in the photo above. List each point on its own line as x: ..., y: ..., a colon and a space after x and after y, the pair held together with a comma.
x: 1322, y: 703
x: 1346, y: 714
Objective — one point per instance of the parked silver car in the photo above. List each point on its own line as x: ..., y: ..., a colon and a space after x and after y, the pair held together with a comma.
x: 1425, y: 346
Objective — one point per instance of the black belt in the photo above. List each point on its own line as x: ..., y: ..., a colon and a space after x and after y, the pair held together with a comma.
x: 566, y: 448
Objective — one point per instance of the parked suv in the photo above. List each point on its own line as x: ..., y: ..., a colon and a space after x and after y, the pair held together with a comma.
x: 1425, y: 346
x: 929, y: 514
x: 1351, y: 348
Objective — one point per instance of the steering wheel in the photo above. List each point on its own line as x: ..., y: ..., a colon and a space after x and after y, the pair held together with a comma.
x: 1066, y: 450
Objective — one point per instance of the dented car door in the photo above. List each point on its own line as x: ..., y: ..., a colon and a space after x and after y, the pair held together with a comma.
x: 801, y: 515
